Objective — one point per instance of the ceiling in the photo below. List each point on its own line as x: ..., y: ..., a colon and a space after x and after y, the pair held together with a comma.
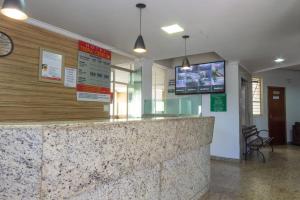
x: 121, y: 61
x: 295, y: 68
x: 253, y: 32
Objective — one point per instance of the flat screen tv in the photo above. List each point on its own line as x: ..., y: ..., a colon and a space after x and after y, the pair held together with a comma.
x: 200, y: 79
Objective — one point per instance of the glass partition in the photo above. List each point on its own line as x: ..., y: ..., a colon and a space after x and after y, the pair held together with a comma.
x: 177, y: 106
x: 135, y: 94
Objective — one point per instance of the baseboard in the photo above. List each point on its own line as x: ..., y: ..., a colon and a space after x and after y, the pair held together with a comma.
x: 204, y: 196
x: 224, y: 159
x: 201, y: 195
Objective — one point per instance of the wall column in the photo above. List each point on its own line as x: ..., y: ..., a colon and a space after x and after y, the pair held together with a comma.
x: 146, y: 65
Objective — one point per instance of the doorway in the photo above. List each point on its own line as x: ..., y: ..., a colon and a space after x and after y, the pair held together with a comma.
x: 277, y: 114
x: 119, y: 88
x: 120, y: 101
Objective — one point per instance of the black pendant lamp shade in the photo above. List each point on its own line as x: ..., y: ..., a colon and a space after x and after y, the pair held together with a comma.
x: 139, y: 45
x: 185, y: 63
x: 14, y: 9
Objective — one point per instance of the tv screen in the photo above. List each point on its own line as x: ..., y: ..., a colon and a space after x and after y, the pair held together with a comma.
x: 200, y: 79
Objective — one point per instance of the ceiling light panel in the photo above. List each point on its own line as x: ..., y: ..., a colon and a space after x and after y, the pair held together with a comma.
x: 279, y: 60
x: 175, y: 28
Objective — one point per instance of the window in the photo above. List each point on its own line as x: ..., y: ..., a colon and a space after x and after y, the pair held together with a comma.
x: 257, y: 96
x: 158, y: 88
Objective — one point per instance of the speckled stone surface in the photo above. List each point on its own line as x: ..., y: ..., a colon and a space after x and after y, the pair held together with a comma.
x: 186, y: 176
x: 20, y: 163
x: 136, y: 186
x: 114, y: 160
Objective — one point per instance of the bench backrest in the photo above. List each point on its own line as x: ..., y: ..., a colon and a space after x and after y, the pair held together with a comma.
x: 249, y: 131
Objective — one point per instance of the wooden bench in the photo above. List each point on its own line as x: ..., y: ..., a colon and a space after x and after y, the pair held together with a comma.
x: 254, y: 141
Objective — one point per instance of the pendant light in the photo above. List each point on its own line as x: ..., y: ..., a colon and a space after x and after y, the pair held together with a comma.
x: 14, y: 9
x: 185, y: 63
x: 139, y: 45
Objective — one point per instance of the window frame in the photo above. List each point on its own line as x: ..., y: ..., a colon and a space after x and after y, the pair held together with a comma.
x: 260, y: 80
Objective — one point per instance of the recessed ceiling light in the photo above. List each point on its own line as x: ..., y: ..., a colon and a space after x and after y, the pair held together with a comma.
x: 279, y: 60
x: 175, y: 28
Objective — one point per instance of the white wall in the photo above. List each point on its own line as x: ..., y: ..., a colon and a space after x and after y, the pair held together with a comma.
x: 226, y: 139
x: 291, y: 81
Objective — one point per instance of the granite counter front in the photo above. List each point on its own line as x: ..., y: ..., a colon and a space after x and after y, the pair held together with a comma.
x: 158, y: 159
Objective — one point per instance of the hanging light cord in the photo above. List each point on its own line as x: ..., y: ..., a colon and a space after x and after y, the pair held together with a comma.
x: 185, y: 47
x: 140, y: 21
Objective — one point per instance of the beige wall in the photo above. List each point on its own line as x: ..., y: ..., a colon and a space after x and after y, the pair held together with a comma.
x: 22, y: 96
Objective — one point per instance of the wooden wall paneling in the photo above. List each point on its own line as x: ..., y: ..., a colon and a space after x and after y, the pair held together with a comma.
x: 22, y: 96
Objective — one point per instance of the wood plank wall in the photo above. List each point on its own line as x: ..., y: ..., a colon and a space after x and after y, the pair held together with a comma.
x: 22, y: 96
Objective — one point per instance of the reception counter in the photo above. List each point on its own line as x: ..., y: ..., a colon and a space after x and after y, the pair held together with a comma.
x: 158, y: 159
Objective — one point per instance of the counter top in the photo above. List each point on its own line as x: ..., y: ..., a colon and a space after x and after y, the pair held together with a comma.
x: 150, y: 158
x: 93, y: 122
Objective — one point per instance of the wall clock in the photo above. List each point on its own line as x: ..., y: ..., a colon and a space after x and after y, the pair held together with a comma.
x: 6, y: 45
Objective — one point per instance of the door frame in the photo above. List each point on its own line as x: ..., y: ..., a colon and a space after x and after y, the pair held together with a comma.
x: 284, y: 113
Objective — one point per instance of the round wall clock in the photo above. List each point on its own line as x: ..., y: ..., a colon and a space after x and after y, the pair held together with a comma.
x: 6, y: 45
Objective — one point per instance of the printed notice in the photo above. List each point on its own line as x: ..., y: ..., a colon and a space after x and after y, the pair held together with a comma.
x: 70, y: 77
x: 93, y: 76
x: 51, y: 67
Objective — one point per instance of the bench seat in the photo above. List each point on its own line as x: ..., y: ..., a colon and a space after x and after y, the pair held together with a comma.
x: 254, y: 141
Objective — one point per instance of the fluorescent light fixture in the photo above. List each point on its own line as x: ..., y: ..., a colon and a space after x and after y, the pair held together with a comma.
x: 175, y: 28
x: 279, y: 60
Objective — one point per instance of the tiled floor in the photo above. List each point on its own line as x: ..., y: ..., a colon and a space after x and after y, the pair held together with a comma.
x: 277, y: 179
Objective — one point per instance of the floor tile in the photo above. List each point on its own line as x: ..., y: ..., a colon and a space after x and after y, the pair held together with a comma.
x: 277, y: 179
